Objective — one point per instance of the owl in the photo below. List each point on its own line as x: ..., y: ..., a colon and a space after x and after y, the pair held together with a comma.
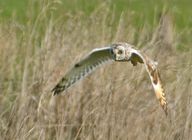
x: 117, y: 52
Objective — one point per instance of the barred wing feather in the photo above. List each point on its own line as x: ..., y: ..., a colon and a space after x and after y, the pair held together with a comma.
x: 152, y: 70
x: 83, y: 68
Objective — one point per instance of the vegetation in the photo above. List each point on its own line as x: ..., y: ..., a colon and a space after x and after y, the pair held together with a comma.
x: 41, y: 40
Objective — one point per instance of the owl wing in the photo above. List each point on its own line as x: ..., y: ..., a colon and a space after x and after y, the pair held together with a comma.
x: 83, y: 68
x: 153, y: 72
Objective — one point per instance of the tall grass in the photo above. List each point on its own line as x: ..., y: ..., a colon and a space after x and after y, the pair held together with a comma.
x: 115, y: 102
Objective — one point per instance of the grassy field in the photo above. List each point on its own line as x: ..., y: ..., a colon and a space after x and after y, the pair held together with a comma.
x: 41, y: 40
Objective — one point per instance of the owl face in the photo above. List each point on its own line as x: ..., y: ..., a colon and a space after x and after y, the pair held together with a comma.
x: 121, y: 52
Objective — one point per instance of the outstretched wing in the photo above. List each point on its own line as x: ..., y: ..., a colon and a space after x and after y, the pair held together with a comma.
x: 83, y: 68
x: 152, y: 70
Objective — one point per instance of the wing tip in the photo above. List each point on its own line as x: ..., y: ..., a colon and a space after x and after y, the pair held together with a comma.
x: 165, y: 109
x: 56, y: 90
x: 163, y: 104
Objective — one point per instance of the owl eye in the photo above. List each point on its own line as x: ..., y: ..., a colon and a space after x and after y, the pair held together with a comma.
x: 120, y: 52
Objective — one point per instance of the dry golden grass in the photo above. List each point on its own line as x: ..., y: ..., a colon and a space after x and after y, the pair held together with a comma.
x: 115, y: 102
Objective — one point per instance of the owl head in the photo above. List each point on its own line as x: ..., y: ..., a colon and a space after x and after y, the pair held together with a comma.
x: 121, y: 51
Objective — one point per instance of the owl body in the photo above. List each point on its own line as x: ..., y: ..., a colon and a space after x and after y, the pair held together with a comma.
x: 117, y: 52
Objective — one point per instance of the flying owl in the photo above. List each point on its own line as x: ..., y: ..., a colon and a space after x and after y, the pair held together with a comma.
x: 117, y: 52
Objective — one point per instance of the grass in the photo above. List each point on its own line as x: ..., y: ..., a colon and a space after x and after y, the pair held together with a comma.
x: 143, y: 11
x: 116, y: 101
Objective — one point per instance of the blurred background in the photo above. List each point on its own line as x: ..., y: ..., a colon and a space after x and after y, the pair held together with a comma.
x: 40, y: 40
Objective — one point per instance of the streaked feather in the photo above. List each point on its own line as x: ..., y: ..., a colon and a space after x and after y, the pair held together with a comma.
x: 99, y: 56
x: 81, y: 69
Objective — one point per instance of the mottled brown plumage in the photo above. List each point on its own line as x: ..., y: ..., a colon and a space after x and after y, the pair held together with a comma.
x: 115, y: 52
